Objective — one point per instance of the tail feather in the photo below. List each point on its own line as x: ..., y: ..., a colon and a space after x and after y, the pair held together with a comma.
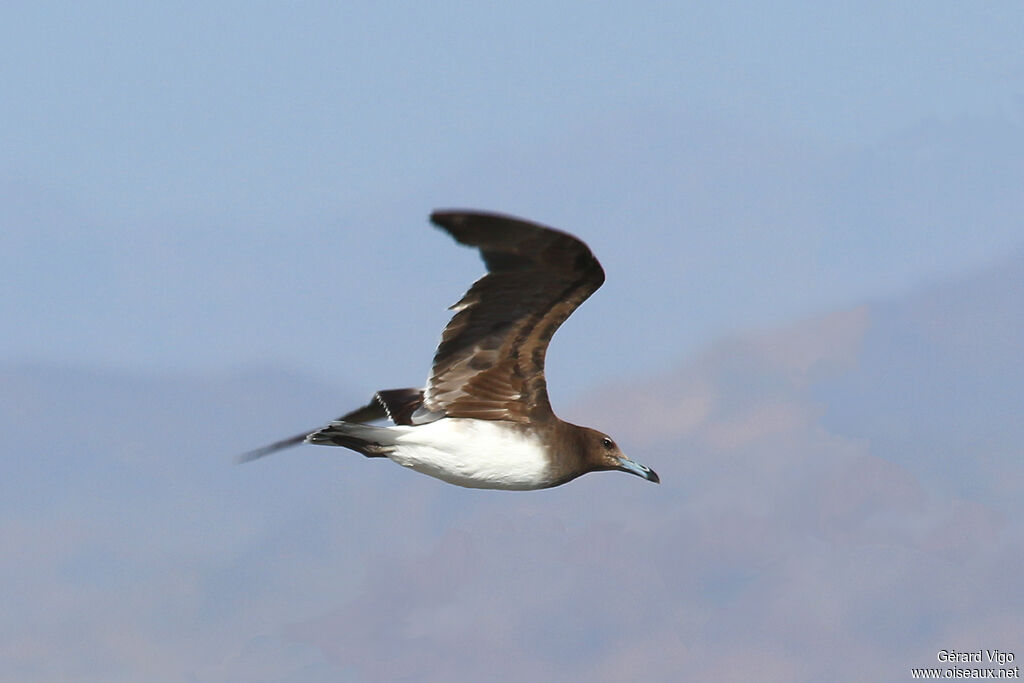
x: 373, y: 442
x: 273, y: 448
x: 396, y: 404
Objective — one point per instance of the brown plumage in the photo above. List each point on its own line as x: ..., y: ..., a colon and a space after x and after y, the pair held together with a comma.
x: 484, y: 419
x: 490, y: 362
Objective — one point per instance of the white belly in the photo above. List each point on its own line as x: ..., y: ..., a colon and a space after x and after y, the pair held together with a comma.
x: 477, y: 454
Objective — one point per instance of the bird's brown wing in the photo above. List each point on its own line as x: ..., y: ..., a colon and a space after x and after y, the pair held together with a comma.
x: 490, y: 362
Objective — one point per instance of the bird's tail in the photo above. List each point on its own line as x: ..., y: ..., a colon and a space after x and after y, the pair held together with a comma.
x: 371, y: 441
x: 273, y: 448
x: 396, y: 404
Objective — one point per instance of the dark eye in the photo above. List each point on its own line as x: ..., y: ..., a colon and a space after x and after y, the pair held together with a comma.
x: 607, y: 443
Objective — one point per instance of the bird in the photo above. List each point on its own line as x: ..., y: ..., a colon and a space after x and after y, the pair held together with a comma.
x: 484, y: 419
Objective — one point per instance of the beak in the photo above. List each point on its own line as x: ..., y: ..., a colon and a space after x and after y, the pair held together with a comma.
x: 627, y: 465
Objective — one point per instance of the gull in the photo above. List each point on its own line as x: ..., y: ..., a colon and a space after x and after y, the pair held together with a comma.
x: 484, y: 419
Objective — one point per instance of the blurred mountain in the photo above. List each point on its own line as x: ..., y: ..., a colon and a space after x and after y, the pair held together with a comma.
x: 841, y: 499
x: 931, y: 381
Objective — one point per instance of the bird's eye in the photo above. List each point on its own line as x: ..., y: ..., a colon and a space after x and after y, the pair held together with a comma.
x: 607, y: 443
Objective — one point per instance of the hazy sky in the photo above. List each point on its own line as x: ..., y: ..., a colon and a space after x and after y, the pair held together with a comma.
x: 213, y: 234
x: 216, y: 185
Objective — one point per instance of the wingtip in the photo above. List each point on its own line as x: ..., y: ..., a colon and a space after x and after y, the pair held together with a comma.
x: 446, y: 218
x: 454, y: 216
x: 438, y: 215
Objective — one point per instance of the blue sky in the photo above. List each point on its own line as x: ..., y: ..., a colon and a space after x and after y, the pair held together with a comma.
x: 213, y: 234
x: 194, y: 186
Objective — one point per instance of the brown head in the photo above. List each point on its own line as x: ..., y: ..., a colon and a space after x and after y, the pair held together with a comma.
x: 597, y: 451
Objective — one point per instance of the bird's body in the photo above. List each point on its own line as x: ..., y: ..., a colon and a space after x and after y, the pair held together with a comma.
x: 484, y: 420
x: 479, y: 454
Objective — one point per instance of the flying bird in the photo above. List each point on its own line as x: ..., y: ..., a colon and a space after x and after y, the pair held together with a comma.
x: 484, y: 419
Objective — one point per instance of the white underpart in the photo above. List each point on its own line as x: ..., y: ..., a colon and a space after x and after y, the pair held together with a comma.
x: 478, y: 454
